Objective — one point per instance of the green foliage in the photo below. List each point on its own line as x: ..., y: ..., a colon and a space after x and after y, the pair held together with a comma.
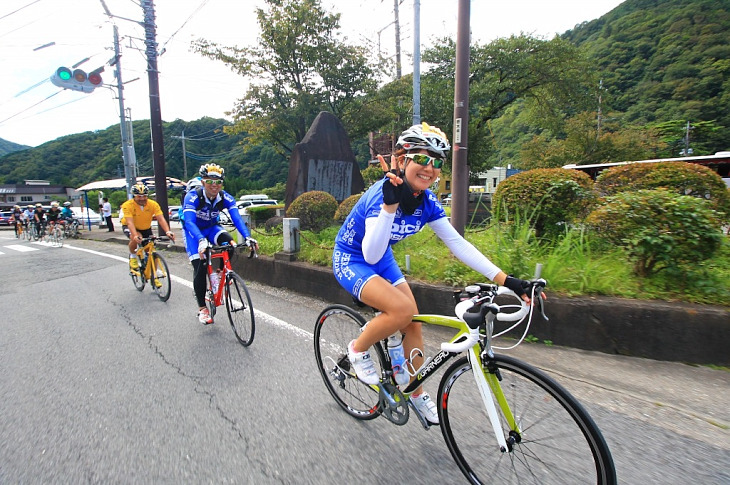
x: 261, y: 214
x: 658, y: 228
x: 298, y: 69
x: 371, y: 175
x: 548, y: 198
x: 664, y: 62
x: 683, y: 178
x: 10, y: 147
x: 345, y: 207
x: 314, y: 209
x: 553, y: 73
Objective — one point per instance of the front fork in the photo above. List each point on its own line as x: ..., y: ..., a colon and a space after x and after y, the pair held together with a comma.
x: 487, y: 377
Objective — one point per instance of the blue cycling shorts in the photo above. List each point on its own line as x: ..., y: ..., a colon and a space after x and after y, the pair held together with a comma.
x: 211, y: 233
x: 352, y: 271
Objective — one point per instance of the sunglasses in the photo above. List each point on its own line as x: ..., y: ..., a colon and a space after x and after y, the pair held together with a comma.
x: 424, y: 160
x: 213, y: 182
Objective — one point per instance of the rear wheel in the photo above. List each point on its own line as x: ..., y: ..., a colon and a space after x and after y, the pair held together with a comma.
x: 161, y: 280
x: 239, y: 309
x: 554, y: 440
x: 336, y: 326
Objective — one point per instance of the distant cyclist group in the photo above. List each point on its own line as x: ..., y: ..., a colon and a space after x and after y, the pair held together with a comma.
x: 37, y: 222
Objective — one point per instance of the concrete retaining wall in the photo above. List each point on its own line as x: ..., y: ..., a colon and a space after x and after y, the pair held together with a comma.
x: 656, y: 330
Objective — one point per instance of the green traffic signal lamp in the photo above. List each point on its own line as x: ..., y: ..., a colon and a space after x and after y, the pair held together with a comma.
x: 63, y: 73
x: 76, y: 80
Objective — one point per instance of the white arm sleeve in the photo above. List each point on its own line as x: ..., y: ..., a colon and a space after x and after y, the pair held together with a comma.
x: 463, y: 249
x: 377, y: 236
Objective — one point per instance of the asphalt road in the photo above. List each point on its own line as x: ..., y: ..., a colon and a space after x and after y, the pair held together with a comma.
x: 101, y: 383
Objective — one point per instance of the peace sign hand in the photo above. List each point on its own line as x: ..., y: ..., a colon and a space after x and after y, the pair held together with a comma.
x: 393, y: 187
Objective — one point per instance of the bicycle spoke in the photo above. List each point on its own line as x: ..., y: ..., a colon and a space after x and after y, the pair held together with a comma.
x: 336, y: 326
x: 239, y: 308
x: 557, y: 443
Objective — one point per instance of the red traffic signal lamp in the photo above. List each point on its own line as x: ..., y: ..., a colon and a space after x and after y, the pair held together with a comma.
x: 76, y: 80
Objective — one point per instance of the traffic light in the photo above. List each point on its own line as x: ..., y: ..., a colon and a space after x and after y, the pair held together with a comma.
x: 77, y: 79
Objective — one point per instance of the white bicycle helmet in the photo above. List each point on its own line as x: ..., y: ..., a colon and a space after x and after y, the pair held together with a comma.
x: 425, y: 136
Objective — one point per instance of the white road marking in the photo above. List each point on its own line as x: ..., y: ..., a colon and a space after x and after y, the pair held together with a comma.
x: 21, y: 248
x: 270, y: 319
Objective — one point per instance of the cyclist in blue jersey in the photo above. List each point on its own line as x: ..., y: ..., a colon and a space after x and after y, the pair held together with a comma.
x: 201, y: 207
x: 392, y: 209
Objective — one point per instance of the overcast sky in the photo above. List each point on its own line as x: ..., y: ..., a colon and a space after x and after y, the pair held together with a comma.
x: 33, y: 111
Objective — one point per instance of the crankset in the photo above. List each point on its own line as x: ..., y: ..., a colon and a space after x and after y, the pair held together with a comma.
x: 393, y: 404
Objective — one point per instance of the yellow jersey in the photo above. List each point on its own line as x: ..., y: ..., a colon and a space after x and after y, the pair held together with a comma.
x: 141, y: 216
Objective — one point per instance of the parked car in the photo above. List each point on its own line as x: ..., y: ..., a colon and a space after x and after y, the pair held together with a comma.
x: 84, y: 214
x: 244, y: 206
x: 5, y: 218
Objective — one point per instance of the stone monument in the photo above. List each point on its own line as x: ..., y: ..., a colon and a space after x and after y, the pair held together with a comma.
x: 324, y: 161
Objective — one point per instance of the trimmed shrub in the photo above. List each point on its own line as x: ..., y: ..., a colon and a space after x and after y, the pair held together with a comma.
x: 261, y: 214
x: 547, y: 197
x: 315, y: 210
x: 680, y: 177
x: 343, y: 210
x: 659, y: 228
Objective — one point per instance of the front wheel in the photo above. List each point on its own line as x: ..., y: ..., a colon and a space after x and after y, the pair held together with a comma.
x: 239, y: 309
x: 137, y: 278
x: 336, y: 326
x: 161, y: 278
x: 554, y: 440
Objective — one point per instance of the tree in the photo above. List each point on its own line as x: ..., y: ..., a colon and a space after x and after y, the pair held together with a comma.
x: 550, y: 75
x: 298, y: 69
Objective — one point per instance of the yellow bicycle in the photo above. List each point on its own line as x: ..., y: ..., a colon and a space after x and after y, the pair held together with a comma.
x: 152, y: 268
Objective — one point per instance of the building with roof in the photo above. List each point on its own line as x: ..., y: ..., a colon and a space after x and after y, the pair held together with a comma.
x: 34, y: 192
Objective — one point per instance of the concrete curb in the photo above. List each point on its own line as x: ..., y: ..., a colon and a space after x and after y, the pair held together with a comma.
x: 667, y: 331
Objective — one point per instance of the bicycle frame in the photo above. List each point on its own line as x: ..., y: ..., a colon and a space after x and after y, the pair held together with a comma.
x: 227, y: 268
x: 149, y: 266
x: 487, y: 382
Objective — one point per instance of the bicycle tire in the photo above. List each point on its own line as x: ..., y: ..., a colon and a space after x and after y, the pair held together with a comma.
x: 336, y: 326
x: 138, y: 279
x: 59, y: 237
x: 162, y: 277
x: 240, y: 309
x: 559, y: 442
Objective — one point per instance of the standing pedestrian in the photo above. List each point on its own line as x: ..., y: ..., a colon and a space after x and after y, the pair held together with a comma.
x: 106, y: 211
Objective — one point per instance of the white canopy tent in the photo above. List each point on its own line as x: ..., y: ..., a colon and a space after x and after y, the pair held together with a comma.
x: 120, y: 184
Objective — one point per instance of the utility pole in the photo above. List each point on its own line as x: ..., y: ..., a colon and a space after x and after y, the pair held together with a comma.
x: 416, y: 62
x: 158, y: 147
x: 460, y: 168
x: 397, y: 43
x: 128, y: 155
x: 127, y: 147
x: 600, y: 90
x: 185, y: 159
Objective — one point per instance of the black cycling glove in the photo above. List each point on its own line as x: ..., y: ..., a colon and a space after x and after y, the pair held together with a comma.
x: 520, y: 287
x: 392, y: 193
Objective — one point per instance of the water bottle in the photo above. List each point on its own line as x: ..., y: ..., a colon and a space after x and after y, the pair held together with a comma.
x: 398, y: 359
x: 215, y: 278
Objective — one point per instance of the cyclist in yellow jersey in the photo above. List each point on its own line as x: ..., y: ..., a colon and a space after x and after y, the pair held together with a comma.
x: 137, y: 215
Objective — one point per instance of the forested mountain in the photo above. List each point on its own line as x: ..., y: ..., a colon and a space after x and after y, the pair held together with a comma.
x: 75, y: 160
x: 10, y: 147
x: 663, y: 61
x: 661, y: 64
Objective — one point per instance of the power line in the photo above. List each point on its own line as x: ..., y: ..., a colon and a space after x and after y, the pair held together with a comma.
x: 18, y: 10
x: 29, y: 107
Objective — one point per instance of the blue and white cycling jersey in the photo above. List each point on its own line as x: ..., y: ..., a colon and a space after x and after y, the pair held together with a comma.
x: 351, y: 234
x: 198, y: 221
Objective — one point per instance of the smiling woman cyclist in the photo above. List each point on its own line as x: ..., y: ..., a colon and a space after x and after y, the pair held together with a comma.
x: 392, y: 209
